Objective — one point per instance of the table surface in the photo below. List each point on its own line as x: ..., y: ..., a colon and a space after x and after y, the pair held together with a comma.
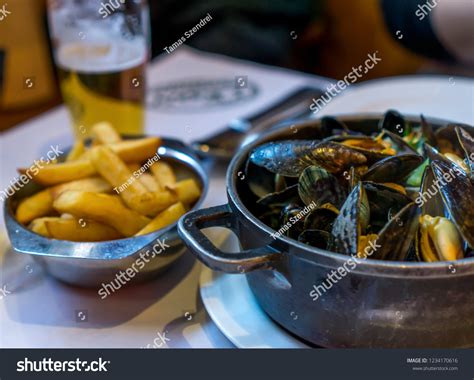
x: 38, y: 311
x: 41, y: 312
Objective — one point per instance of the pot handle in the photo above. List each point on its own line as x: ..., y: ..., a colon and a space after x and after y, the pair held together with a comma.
x: 189, y: 228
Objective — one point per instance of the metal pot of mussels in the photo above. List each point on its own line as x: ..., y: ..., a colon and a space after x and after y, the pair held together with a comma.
x: 361, y: 226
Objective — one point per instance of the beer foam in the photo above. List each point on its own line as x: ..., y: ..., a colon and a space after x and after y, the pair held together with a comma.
x: 101, y: 56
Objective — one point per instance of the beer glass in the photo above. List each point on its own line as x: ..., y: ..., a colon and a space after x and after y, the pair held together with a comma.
x: 101, y: 48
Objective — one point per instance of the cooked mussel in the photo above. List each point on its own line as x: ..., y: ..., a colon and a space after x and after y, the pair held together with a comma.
x: 438, y: 240
x: 400, y: 191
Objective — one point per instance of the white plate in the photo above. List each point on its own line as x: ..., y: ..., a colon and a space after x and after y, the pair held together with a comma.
x: 234, y: 309
x: 228, y: 298
x: 450, y: 98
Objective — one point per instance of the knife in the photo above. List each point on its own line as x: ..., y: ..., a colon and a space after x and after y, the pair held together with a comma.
x: 224, y: 144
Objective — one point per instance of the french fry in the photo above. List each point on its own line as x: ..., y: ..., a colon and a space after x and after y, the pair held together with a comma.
x: 54, y: 174
x: 77, y: 151
x: 102, y: 208
x: 137, y: 150
x: 39, y: 225
x: 164, y: 199
x: 92, y: 184
x: 39, y: 204
x: 163, y: 219
x: 104, y: 133
x: 74, y: 230
x: 135, y: 195
x: 133, y: 167
x: 150, y: 182
x: 187, y: 191
x: 164, y: 174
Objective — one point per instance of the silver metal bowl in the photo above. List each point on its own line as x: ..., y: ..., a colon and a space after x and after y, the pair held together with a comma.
x: 94, y: 263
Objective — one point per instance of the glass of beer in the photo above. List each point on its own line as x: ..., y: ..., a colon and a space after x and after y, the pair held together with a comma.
x: 101, y: 48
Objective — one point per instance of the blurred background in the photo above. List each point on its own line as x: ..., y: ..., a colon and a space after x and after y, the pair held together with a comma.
x: 323, y: 37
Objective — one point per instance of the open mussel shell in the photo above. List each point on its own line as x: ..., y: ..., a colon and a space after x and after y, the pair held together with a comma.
x: 333, y: 126
x: 372, y: 148
x: 288, y: 158
x: 394, y: 240
x: 447, y: 138
x: 316, y: 186
x: 457, y: 191
x: 352, y: 220
x: 316, y: 238
x: 429, y: 198
x: 260, y: 181
x: 402, y: 147
x: 383, y: 198
x: 466, y: 141
x: 292, y: 219
x: 428, y: 132
x: 394, y: 122
x: 321, y: 218
x: 438, y: 239
x: 281, y: 198
x: 393, y: 169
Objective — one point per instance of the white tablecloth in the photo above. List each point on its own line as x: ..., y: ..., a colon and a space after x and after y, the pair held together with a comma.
x: 38, y: 311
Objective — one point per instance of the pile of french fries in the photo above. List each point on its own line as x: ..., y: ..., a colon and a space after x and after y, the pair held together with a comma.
x: 94, y: 195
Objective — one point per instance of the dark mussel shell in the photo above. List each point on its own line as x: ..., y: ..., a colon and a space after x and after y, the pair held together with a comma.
x: 467, y: 144
x: 458, y: 195
x: 427, y: 132
x: 260, y: 181
x: 317, y: 186
x: 288, y: 158
x: 447, y: 139
x: 394, y: 122
x: 351, y: 221
x: 316, y: 238
x: 429, y: 199
x: 292, y: 217
x: 335, y: 157
x: 369, y: 146
x: 393, y: 169
x: 396, y: 238
x: 381, y: 199
x: 280, y: 199
x: 333, y: 126
x: 321, y: 219
x: 401, y: 145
